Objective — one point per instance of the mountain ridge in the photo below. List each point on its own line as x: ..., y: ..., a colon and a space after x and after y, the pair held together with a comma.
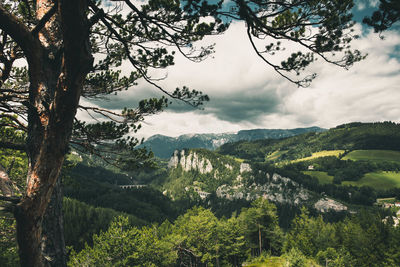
x: 164, y: 146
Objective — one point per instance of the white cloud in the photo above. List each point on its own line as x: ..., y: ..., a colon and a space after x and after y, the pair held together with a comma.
x: 246, y: 93
x: 363, y: 4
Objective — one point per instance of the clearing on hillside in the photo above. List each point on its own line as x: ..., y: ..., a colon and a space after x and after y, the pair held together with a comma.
x: 275, y: 155
x: 320, y: 154
x: 323, y: 177
x: 374, y: 155
x: 378, y: 180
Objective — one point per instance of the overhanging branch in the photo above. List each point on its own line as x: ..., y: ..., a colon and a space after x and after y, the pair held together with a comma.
x: 18, y: 31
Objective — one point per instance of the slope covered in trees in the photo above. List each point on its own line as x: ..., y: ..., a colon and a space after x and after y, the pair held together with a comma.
x: 199, y: 238
x: 348, y: 137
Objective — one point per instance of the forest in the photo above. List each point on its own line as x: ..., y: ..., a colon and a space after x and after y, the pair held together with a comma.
x: 106, y: 225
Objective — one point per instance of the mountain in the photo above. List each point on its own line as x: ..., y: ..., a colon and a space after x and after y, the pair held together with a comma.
x: 164, y: 146
x: 226, y: 184
x: 298, y: 170
x: 201, y: 172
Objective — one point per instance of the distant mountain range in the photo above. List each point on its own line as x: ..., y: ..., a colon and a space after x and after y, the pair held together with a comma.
x: 164, y: 146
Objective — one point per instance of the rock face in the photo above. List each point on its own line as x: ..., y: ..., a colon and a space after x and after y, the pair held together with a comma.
x: 326, y: 204
x: 276, y: 189
x: 232, y: 180
x: 245, y: 167
x: 192, y: 161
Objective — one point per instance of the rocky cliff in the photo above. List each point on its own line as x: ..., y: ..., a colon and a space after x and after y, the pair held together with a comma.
x: 202, y: 173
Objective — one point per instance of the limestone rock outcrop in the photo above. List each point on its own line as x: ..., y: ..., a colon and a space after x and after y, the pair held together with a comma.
x: 191, y: 161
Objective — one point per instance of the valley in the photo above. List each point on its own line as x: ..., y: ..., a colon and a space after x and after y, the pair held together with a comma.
x: 297, y: 187
x: 317, y: 180
x: 334, y: 174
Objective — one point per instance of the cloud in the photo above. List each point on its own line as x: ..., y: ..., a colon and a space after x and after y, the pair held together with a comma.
x: 245, y: 93
x: 369, y: 91
x: 363, y: 4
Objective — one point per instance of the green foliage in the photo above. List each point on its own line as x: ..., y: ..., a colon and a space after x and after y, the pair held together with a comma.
x: 82, y: 221
x: 377, y: 156
x: 323, y: 177
x: 266, y: 260
x: 124, y: 245
x: 197, y: 238
x: 332, y: 258
x: 8, y: 243
x: 361, y: 240
x: 309, y: 235
x: 295, y: 258
x: 96, y: 186
x: 260, y: 225
x: 384, y: 18
x: 380, y: 180
x: 12, y: 159
x: 196, y: 235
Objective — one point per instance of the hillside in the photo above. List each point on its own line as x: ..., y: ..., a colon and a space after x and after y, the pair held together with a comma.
x: 163, y: 146
x: 203, y: 174
x: 348, y: 137
x: 335, y: 174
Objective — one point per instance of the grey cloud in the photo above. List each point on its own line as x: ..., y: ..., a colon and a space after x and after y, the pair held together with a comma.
x: 244, y: 107
x: 248, y: 106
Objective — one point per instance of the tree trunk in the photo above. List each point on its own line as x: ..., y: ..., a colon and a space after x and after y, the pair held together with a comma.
x: 53, y: 243
x: 57, y: 69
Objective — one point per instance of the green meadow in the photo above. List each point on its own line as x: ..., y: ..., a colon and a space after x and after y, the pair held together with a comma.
x: 323, y: 177
x: 275, y: 155
x: 374, y: 155
x: 381, y: 180
x: 378, y: 180
x: 270, y: 262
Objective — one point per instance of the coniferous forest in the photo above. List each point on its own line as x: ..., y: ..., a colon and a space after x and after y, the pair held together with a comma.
x: 161, y: 224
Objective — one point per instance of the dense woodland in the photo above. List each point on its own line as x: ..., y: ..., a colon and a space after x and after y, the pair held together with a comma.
x: 106, y: 225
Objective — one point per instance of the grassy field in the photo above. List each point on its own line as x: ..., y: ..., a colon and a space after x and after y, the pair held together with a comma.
x: 386, y: 200
x: 378, y: 180
x: 323, y: 177
x: 275, y: 155
x: 374, y: 155
x: 270, y: 262
x: 235, y: 158
x: 320, y: 154
x: 279, y: 262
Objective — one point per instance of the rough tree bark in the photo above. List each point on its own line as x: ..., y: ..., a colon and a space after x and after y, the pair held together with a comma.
x: 59, y: 59
x: 53, y: 242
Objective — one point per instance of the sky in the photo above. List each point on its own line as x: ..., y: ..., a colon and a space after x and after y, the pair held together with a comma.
x: 246, y: 94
